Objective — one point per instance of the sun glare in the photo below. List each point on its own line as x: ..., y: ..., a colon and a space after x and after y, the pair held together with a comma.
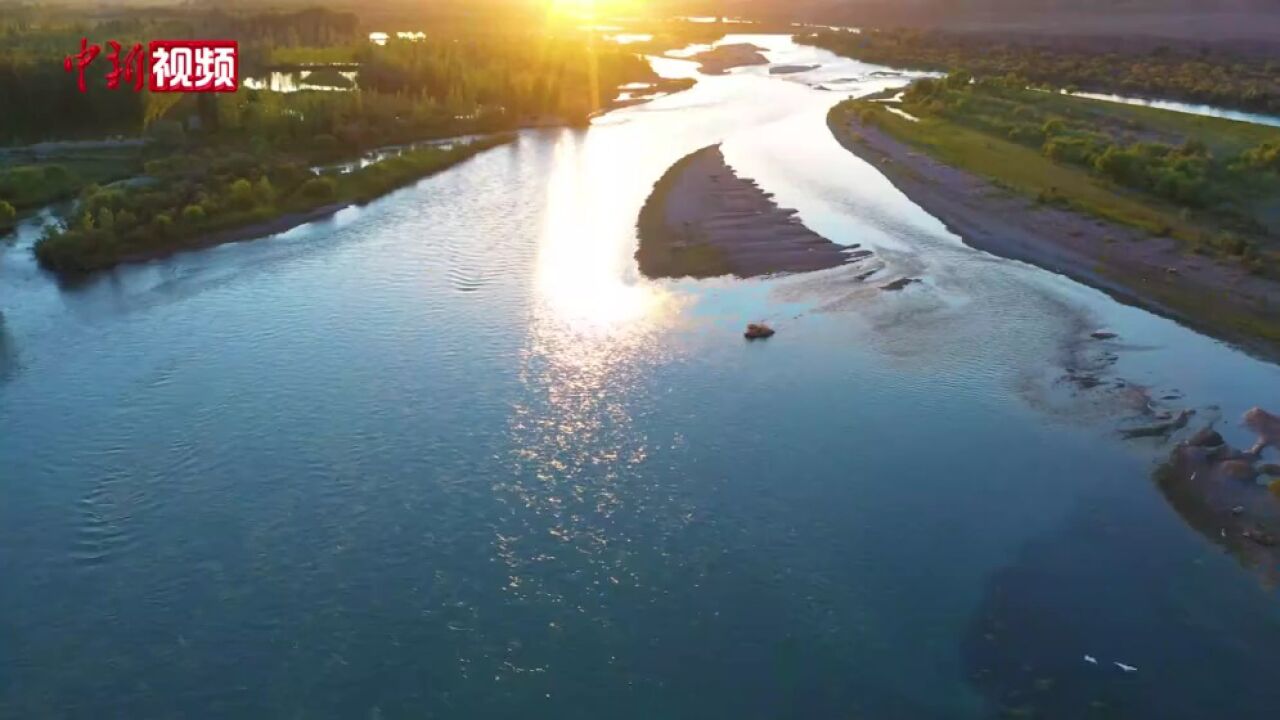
x: 583, y: 260
x: 577, y: 8
x: 592, y: 9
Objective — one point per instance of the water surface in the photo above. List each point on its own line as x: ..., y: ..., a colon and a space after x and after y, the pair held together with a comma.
x: 448, y: 455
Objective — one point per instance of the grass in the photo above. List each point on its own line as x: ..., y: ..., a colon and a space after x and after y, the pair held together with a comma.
x: 969, y: 131
x: 1224, y: 137
x: 965, y: 143
x: 1026, y: 171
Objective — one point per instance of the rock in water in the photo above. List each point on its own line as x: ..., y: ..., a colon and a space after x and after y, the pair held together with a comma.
x: 1207, y: 437
x: 1159, y: 429
x: 1266, y: 425
x: 899, y: 284
x: 1241, y: 470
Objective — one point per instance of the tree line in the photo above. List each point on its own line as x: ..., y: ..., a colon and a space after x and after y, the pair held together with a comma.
x: 1192, y: 75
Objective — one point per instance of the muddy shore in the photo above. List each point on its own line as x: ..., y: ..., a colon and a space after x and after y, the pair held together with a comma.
x: 702, y: 220
x: 1152, y: 273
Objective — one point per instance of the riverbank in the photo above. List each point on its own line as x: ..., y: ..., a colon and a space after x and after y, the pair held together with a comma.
x: 703, y: 220
x: 274, y: 226
x: 1218, y: 298
x: 216, y: 207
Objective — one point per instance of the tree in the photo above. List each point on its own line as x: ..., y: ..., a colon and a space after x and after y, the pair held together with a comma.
x: 161, y: 224
x: 193, y: 215
x: 241, y: 195
x: 125, y: 221
x: 167, y: 133
x: 7, y: 215
x: 264, y: 191
x: 320, y: 188
x: 959, y: 80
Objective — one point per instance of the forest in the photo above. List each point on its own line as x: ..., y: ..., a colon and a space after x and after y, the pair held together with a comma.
x: 164, y: 169
x: 1142, y: 68
x: 466, y: 70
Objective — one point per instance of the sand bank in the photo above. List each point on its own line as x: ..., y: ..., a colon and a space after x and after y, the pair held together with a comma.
x: 722, y: 58
x: 791, y: 69
x: 702, y: 220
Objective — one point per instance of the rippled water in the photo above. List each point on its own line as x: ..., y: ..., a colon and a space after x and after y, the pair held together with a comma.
x: 447, y: 455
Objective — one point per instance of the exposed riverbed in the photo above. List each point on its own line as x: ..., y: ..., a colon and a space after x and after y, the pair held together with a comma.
x: 451, y: 455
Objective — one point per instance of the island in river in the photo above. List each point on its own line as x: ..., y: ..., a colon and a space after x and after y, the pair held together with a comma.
x: 1163, y: 210
x: 722, y: 58
x: 703, y: 220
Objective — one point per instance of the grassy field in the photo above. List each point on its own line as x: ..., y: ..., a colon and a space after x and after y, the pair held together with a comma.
x: 1208, y: 182
x: 1025, y: 170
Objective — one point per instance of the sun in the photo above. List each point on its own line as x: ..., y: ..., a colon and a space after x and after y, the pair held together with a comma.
x: 580, y: 8
x: 573, y: 7
x: 594, y: 9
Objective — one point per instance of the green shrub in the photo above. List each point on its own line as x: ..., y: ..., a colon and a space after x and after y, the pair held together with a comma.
x: 264, y: 191
x: 241, y: 195
x: 319, y: 189
x: 959, y: 80
x: 125, y: 221
x: 1053, y: 126
x: 1230, y: 244
x: 1264, y: 157
x: 8, y: 215
x: 921, y: 89
x: 193, y: 214
x: 1026, y: 135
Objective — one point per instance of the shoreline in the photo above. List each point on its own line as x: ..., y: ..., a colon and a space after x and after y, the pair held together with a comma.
x: 282, y: 222
x: 287, y: 221
x: 244, y: 233
x: 1124, y: 262
x: 720, y: 59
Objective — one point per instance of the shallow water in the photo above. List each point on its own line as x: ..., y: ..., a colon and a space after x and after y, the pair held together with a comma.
x: 1192, y: 108
x: 288, y: 81
x: 447, y: 455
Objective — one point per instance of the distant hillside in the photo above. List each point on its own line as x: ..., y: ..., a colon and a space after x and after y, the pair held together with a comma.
x: 1255, y: 20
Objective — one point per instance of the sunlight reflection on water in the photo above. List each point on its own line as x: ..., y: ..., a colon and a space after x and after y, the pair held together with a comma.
x: 582, y: 263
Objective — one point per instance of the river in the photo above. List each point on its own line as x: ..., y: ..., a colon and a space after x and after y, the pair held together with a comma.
x: 448, y: 455
x: 1191, y: 108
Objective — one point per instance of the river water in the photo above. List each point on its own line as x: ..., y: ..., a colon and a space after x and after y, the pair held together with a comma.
x: 1192, y: 108
x: 448, y: 455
